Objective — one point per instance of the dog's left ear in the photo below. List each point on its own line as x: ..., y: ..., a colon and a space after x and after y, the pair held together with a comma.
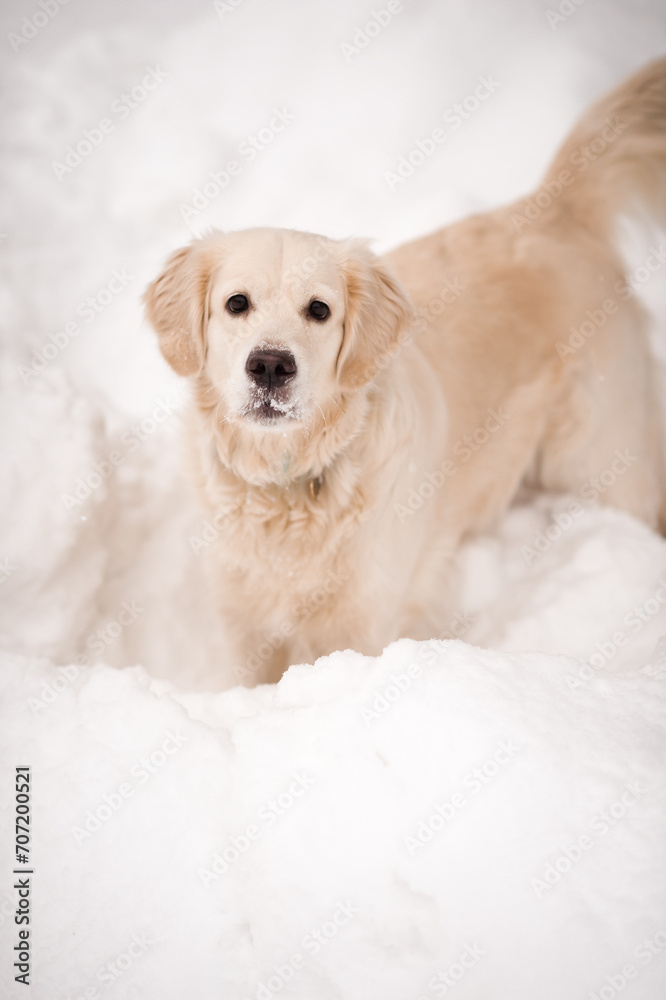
x: 176, y: 306
x: 377, y: 312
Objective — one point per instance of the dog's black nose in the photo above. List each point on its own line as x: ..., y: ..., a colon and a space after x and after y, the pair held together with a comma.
x: 270, y: 369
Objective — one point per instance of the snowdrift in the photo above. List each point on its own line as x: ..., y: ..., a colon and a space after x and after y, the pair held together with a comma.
x: 439, y: 817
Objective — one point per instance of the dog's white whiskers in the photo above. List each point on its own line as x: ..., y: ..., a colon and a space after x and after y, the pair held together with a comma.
x: 215, y: 385
x: 334, y: 401
x: 323, y: 416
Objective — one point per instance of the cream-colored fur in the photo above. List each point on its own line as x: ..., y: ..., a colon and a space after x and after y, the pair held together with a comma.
x: 445, y: 376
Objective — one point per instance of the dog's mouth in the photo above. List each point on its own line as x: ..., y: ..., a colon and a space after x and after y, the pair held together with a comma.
x: 269, y: 408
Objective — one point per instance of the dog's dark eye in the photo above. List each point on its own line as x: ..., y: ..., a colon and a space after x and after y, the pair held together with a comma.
x: 238, y: 304
x: 318, y: 310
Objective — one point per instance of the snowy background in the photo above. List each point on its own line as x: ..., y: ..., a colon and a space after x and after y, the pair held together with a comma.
x: 476, y: 820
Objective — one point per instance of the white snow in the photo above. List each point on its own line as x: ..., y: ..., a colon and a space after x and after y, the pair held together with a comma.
x: 449, y: 796
x: 478, y: 818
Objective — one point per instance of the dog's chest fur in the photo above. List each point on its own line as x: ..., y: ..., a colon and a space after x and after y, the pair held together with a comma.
x: 277, y: 543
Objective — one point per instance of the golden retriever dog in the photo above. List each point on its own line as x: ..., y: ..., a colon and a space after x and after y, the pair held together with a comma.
x: 353, y: 419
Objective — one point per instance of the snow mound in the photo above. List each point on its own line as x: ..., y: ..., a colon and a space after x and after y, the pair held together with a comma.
x: 366, y: 828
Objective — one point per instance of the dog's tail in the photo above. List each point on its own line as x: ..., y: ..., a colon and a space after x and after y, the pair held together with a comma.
x: 614, y: 160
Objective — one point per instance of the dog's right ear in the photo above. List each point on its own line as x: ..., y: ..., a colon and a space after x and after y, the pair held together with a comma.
x: 176, y: 306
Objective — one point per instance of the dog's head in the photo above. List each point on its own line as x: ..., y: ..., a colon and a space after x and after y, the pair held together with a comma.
x: 282, y: 327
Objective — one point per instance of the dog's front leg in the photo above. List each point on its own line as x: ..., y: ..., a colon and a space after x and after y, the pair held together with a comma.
x: 259, y: 659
